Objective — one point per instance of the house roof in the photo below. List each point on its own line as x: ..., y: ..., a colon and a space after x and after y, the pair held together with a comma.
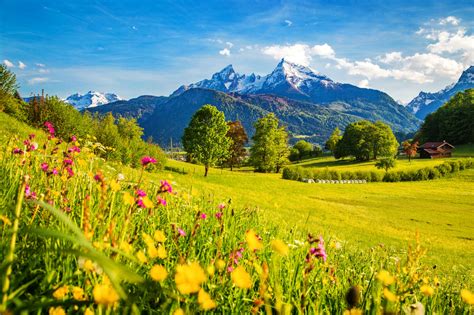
x: 431, y: 151
x: 435, y: 145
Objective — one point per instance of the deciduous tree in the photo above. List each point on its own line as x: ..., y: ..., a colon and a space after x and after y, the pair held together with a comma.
x: 239, y: 138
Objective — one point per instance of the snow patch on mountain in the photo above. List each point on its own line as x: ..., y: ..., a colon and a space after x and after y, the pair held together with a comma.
x: 91, y: 99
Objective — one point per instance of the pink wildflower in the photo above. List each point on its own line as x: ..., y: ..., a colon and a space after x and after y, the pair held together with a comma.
x: 140, y: 193
x: 44, y: 167
x: 161, y: 201
x: 70, y: 171
x: 74, y: 149
x: 203, y: 216
x: 50, y: 128
x: 320, y: 251
x: 54, y: 171
x: 17, y: 151
x: 31, y: 136
x: 181, y: 232
x: 166, y: 186
x: 33, y: 146
x: 219, y: 215
x: 28, y: 193
x: 221, y: 206
x: 147, y: 160
x: 73, y: 138
x: 68, y: 162
x: 140, y: 203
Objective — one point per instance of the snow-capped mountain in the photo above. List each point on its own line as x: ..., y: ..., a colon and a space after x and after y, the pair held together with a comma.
x: 91, y: 99
x: 426, y: 103
x: 286, y: 76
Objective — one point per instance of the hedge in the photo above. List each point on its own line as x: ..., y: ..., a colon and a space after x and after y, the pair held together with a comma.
x: 300, y: 173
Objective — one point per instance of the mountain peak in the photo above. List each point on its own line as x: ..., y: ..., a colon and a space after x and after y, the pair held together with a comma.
x: 91, y: 99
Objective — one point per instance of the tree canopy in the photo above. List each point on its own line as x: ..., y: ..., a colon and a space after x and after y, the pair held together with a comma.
x: 365, y: 140
x: 270, y: 145
x: 205, y: 137
x: 239, y: 138
x: 333, y: 139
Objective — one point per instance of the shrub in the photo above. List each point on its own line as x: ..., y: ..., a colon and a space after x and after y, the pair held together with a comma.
x: 433, y: 173
x: 423, y: 174
x: 391, y: 177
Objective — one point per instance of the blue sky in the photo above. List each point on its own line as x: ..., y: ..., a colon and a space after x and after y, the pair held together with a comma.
x: 151, y: 47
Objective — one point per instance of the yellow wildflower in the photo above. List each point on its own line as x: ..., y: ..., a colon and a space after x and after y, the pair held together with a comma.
x: 467, y: 296
x: 61, y: 292
x: 210, y: 270
x: 89, y: 265
x: 58, y: 310
x: 5, y: 220
x: 280, y: 247
x: 88, y: 311
x: 105, y: 294
x: 148, y: 240
x: 78, y: 294
x: 142, y: 257
x: 241, y: 278
x: 252, y: 240
x: 189, y: 278
x: 159, y: 236
x: 128, y: 199
x: 179, y: 311
x: 354, y: 311
x: 205, y: 300
x: 385, y: 277
x: 152, y: 252
x: 126, y: 247
x: 147, y: 202
x: 158, y: 273
x: 114, y: 185
x: 427, y: 290
x: 220, y: 264
x: 162, y: 252
x: 389, y: 295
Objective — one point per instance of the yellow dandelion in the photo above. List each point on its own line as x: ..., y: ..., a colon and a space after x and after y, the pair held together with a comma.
x: 241, y: 278
x: 385, y: 277
x: 58, y: 310
x: 467, y: 296
x: 220, y: 264
x: 159, y: 236
x: 88, y: 311
x: 148, y: 240
x: 252, y: 240
x: 179, y: 311
x: 205, y: 300
x: 105, y: 294
x: 211, y: 270
x: 280, y: 247
x: 152, y: 251
x: 128, y: 199
x: 189, y: 278
x: 126, y: 247
x: 389, y: 295
x: 158, y: 273
x: 142, y: 257
x: 427, y: 290
x: 114, y: 185
x: 5, y: 220
x: 162, y: 254
x: 89, y: 265
x: 354, y: 311
x: 147, y: 202
x: 61, y: 292
x: 78, y: 294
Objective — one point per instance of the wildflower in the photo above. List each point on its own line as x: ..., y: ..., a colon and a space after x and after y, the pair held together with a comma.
x: 353, y: 311
x: 33, y: 146
x: 114, y: 186
x: 128, y: 199
x: 28, y: 193
x: 219, y: 215
x: 178, y: 311
x: 385, y: 277
x: 221, y: 206
x: 54, y: 171
x: 142, y: 257
x: 205, y: 300
x: 166, y: 186
x: 105, y: 294
x: 159, y: 236
x: 210, y: 270
x: 161, y: 201
x: 140, y: 193
x: 70, y: 171
x: 203, y: 216
x: 120, y: 177
x: 389, y: 295
x: 73, y: 138
x: 253, y: 241
x: 78, y: 294
x: 158, y: 273
x: 320, y: 251
x: 50, y: 128
x: 88, y: 311
x: 88, y: 265
x: 147, y: 160
x: 17, y: 151
x: 126, y: 247
x: 181, y: 232
x: 31, y: 136
x: 189, y: 278
x: 280, y: 247
x: 147, y: 239
x: 241, y: 278
x: 220, y: 264
x: 74, y: 149
x: 5, y: 220
x: 427, y: 290
x: 99, y: 177
x: 58, y: 310
x: 61, y: 292
x: 467, y: 296
x: 161, y: 253
x: 44, y: 167
x: 68, y: 162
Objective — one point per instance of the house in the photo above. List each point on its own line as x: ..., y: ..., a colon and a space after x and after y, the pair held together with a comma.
x: 433, y: 150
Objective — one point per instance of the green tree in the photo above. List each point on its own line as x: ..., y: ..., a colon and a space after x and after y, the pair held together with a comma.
x: 301, y: 150
x: 270, y: 145
x: 8, y: 85
x: 239, y: 138
x: 365, y: 140
x: 333, y: 139
x: 205, y: 137
x: 386, y: 163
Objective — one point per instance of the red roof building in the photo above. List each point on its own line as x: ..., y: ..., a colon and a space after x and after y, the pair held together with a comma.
x: 433, y: 150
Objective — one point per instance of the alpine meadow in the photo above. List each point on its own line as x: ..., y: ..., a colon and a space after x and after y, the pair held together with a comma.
x: 336, y: 178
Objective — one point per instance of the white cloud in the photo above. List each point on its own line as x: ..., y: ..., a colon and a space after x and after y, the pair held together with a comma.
x: 450, y: 20
x: 420, y: 31
x: 364, y: 83
x: 229, y: 44
x: 298, y: 53
x: 21, y: 65
x: 8, y: 63
x: 458, y: 42
x: 391, y: 57
x: 43, y: 70
x: 41, y: 65
x: 38, y: 80
x: 363, y: 68
x: 288, y: 23
x: 324, y: 51
x: 224, y: 52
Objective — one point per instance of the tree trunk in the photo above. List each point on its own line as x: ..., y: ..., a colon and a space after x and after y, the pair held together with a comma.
x: 206, y: 169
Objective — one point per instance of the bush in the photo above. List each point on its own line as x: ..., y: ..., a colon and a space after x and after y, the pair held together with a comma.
x: 433, y: 173
x: 391, y: 177
x: 423, y: 174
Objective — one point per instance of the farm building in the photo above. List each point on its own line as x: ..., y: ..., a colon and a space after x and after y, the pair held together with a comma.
x: 433, y: 150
